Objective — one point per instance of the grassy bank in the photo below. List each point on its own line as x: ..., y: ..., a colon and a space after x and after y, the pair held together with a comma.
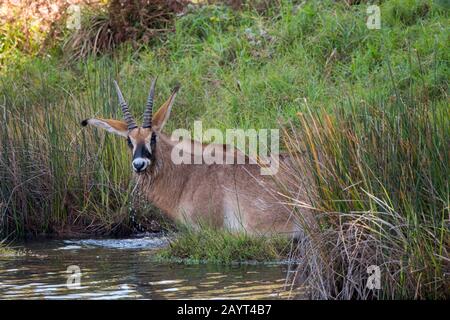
x: 393, y: 211
x: 368, y: 108
x: 223, y: 247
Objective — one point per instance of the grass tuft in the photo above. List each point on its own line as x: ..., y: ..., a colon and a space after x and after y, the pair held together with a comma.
x: 7, y: 251
x: 367, y: 110
x: 223, y: 247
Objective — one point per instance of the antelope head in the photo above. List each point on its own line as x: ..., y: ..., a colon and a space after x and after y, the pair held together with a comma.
x: 141, y: 140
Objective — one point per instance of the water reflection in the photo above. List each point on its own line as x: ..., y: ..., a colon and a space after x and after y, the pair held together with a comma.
x: 125, y: 270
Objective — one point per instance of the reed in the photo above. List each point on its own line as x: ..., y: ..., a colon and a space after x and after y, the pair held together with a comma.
x: 55, y: 177
x: 381, y: 172
x: 367, y: 109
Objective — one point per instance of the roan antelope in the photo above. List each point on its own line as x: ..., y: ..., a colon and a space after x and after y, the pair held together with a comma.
x: 235, y: 197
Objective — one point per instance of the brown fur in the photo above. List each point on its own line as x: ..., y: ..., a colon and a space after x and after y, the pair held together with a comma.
x: 236, y: 197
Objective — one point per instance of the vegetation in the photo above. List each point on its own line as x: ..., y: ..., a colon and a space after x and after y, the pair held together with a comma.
x: 133, y: 21
x: 368, y: 109
x: 393, y: 212
x: 223, y: 247
x: 7, y: 251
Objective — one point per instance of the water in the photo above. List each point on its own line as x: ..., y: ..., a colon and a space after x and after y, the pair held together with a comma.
x: 125, y: 269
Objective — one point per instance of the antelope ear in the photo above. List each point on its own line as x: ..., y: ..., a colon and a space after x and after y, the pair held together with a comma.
x: 110, y: 125
x: 160, y: 118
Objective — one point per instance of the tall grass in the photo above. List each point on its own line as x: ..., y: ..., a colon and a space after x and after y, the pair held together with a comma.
x: 55, y: 177
x: 367, y: 108
x: 382, y: 172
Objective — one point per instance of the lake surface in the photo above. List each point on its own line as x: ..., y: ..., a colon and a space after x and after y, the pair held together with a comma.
x: 126, y: 269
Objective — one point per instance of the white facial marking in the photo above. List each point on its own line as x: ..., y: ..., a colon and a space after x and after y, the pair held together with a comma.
x: 140, y: 164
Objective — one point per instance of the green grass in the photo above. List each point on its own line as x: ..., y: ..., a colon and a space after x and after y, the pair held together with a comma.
x: 7, y: 251
x: 4, y: 251
x: 222, y: 247
x: 237, y: 69
x: 373, y: 123
x: 381, y: 198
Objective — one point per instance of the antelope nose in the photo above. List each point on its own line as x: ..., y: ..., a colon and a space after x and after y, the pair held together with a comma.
x: 138, y: 165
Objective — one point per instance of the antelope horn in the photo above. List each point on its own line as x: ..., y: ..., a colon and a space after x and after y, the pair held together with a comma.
x: 126, y: 113
x: 148, y: 113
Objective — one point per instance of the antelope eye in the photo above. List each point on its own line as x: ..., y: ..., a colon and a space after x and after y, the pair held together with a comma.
x: 130, y: 144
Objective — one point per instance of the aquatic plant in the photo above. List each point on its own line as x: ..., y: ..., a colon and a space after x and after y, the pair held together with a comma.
x: 367, y: 109
x: 223, y: 247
